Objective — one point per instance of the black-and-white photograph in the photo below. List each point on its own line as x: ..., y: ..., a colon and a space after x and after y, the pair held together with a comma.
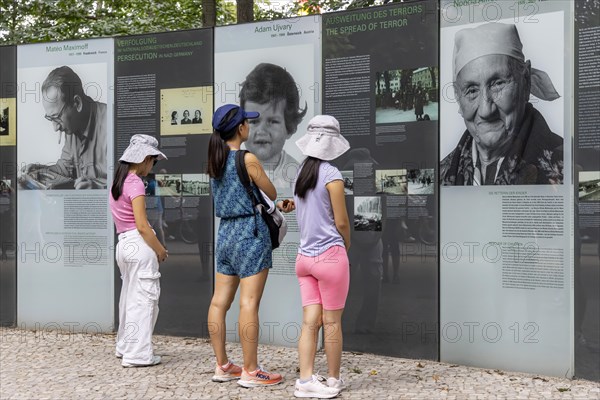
x: 182, y: 110
x: 274, y: 82
x: 195, y: 184
x: 4, y: 125
x: 5, y: 187
x: 504, y: 124
x: 184, y: 117
x: 348, y: 177
x: 589, y: 186
x: 272, y: 91
x: 421, y: 181
x: 168, y: 185
x: 406, y: 95
x: 68, y: 126
x: 391, y: 181
x: 367, y: 213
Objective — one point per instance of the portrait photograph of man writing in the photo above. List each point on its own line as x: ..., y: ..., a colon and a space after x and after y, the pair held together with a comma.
x: 507, y: 141
x: 70, y: 111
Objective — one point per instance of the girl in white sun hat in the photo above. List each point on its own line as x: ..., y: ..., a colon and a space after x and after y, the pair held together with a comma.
x: 138, y: 253
x: 322, y: 265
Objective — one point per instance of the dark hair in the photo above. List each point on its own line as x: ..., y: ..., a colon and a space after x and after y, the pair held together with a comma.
x: 270, y: 83
x: 67, y: 81
x: 173, y: 114
x: 308, y: 177
x: 218, y: 149
x: 120, y: 174
x: 217, y: 156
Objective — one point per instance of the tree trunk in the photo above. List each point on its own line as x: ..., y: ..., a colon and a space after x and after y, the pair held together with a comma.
x: 245, y: 11
x: 209, y: 13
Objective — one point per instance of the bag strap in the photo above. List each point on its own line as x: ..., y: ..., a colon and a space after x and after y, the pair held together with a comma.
x: 240, y: 166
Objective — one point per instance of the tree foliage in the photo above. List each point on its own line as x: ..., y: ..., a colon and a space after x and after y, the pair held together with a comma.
x: 31, y: 21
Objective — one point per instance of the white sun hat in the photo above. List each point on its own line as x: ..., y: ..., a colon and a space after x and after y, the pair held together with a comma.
x: 141, y: 146
x: 323, y: 139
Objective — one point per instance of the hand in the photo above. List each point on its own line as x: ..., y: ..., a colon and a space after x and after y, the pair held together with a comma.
x: 286, y: 205
x: 162, y: 255
x: 83, y: 183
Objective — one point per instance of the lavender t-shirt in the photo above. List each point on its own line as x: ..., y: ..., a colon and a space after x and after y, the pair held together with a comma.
x: 315, y: 215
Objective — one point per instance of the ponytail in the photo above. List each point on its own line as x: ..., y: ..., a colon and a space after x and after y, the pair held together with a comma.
x: 308, y: 177
x: 217, y: 155
x: 120, y: 174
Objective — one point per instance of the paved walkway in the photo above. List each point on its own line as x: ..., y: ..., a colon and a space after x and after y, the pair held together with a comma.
x: 77, y: 366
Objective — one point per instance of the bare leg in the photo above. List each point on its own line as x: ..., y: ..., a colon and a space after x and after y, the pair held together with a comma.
x: 251, y: 290
x: 225, y: 288
x: 307, y: 345
x: 332, y: 323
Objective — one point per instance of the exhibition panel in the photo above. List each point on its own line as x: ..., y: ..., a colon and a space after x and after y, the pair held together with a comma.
x: 506, y: 248
x: 163, y: 88
x: 273, y: 68
x: 8, y: 175
x: 381, y: 81
x: 64, y: 229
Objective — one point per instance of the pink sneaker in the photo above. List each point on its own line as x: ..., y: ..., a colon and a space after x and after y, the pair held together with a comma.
x: 260, y: 377
x: 227, y: 373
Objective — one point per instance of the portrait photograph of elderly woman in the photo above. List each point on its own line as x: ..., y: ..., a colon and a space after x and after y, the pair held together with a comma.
x: 506, y: 133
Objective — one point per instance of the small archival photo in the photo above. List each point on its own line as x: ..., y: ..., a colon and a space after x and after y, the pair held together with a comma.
x: 4, y: 124
x: 367, y: 213
x: 589, y: 186
x: 185, y: 111
x: 5, y: 187
x: 421, y: 181
x: 348, y: 177
x: 406, y: 95
x: 391, y: 181
x: 8, y: 119
x: 195, y: 185
x: 168, y: 185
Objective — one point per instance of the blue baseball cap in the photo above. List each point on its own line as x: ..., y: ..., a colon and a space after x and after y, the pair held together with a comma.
x: 228, y: 116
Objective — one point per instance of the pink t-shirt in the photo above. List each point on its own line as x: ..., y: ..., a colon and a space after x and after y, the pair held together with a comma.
x: 121, y: 209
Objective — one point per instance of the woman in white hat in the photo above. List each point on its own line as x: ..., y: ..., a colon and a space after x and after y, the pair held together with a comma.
x: 322, y: 265
x: 138, y: 253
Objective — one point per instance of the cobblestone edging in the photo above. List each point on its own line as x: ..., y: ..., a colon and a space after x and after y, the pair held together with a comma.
x: 56, y: 365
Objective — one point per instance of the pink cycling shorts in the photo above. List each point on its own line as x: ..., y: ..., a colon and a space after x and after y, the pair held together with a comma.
x: 324, y: 279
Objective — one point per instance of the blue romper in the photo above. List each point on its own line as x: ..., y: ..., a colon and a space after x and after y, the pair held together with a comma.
x: 239, y: 252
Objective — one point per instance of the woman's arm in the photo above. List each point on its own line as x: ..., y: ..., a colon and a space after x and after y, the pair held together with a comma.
x: 258, y: 175
x: 340, y: 215
x: 144, y: 228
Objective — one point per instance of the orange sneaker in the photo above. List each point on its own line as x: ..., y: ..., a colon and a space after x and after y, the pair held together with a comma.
x: 226, y: 373
x: 260, y: 377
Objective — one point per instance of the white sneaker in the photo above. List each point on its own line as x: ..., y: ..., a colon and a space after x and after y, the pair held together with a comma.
x: 155, y: 361
x: 314, y: 388
x: 338, y: 384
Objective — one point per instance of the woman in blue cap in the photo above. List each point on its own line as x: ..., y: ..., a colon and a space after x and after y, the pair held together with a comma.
x: 243, y: 249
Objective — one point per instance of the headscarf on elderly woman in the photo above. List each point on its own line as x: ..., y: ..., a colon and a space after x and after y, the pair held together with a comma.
x: 507, y: 141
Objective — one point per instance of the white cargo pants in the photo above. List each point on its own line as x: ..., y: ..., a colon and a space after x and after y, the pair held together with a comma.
x: 138, y: 304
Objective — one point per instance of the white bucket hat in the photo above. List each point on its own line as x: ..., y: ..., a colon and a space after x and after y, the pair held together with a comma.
x: 323, y: 139
x: 141, y: 146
